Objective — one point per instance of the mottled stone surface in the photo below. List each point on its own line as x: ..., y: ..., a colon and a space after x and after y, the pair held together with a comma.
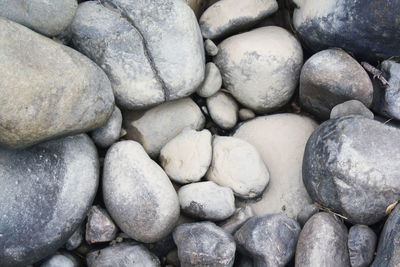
x: 351, y: 107
x: 361, y: 243
x: 99, y: 226
x: 223, y: 110
x: 109, y: 133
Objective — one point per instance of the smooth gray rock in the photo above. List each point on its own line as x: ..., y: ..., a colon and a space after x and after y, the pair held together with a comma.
x: 351, y: 165
x: 269, y: 239
x: 43, y: 16
x: 228, y: 16
x: 322, y: 242
x: 75, y: 239
x: 320, y: 88
x: 210, y: 47
x: 351, y: 107
x: 60, y: 260
x: 306, y: 213
x: 261, y: 67
x: 138, y: 194
x: 155, y: 127
x: 46, y: 191
x: 240, y: 216
x: 109, y: 133
x: 212, y: 81
x: 207, y: 200
x: 99, y: 226
x: 55, y: 90
x: 223, y: 110
x: 246, y: 114
x: 361, y: 243
x: 204, y: 244
x: 122, y: 255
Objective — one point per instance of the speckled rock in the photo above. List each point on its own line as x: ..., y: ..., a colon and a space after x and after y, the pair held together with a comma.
x: 351, y: 107
x: 210, y: 47
x: 246, y: 114
x: 138, y: 194
x: 109, y: 133
x: 351, y: 165
x: 212, y: 81
x: 306, y: 213
x: 45, y: 199
x: 322, y: 242
x: 223, y: 110
x: 193, y: 241
x: 43, y: 16
x: 261, y: 67
x: 240, y: 216
x: 320, y: 88
x: 55, y: 91
x: 229, y: 16
x: 99, y: 226
x: 269, y: 239
x: 361, y: 243
x: 75, y: 239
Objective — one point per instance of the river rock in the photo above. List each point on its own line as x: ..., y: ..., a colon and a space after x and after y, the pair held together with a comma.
x: 351, y: 165
x: 361, y: 243
x: 240, y: 216
x: 246, y: 114
x: 261, y: 67
x: 75, y: 239
x: 109, y: 133
x: 155, y: 127
x: 280, y: 139
x: 61, y: 260
x: 322, y: 242
x: 269, y: 239
x: 320, y: 88
x: 55, y: 91
x: 45, y: 199
x: 194, y: 245
x: 212, y: 81
x: 210, y: 47
x: 99, y: 226
x: 223, y: 110
x: 351, y: 107
x: 229, y: 16
x: 306, y: 213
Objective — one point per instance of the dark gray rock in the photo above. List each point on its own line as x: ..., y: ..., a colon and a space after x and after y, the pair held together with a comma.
x: 351, y: 165
x: 269, y: 239
x: 322, y: 242
x: 320, y: 87
x: 109, y: 133
x: 99, y: 226
x: 75, y: 239
x: 61, y: 260
x: 204, y: 244
x: 351, y: 107
x: 361, y: 243
x: 240, y: 216
x: 210, y: 47
x: 55, y: 90
x: 46, y: 191
x: 306, y: 213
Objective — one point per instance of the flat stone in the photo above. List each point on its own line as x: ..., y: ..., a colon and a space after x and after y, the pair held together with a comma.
x: 351, y: 107
x: 210, y: 47
x: 223, y: 110
x: 109, y: 133
x: 212, y: 81
x: 361, y: 243
x: 241, y: 215
x: 99, y: 226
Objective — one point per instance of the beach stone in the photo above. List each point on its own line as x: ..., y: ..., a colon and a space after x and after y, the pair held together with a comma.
x: 55, y: 91
x: 45, y: 199
x: 361, y: 243
x: 138, y: 194
x: 246, y: 114
x: 60, y: 260
x: 240, y: 216
x: 212, y: 81
x: 109, y: 133
x: 75, y: 239
x: 351, y: 107
x: 346, y: 167
x: 210, y: 47
x: 306, y: 213
x: 260, y: 67
x: 223, y: 110
x: 99, y: 226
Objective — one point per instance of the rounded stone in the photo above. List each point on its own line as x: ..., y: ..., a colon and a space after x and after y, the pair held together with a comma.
x: 60, y: 260
x: 351, y: 107
x: 246, y: 114
x: 109, y: 133
x: 361, y: 243
x: 210, y: 47
x: 212, y: 81
x: 223, y: 110
x: 99, y: 226
x: 75, y: 239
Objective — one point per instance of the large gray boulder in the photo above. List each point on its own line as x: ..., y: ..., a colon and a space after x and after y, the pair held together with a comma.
x: 46, y: 191
x: 48, y: 89
x: 351, y: 165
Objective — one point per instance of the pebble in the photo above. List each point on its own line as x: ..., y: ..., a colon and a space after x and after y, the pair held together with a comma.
x: 99, y: 226
x: 75, y: 239
x: 246, y: 114
x: 223, y: 110
x: 211, y: 48
x: 61, y: 260
x: 109, y: 133
x: 212, y: 81
x: 306, y: 213
x: 361, y: 243
x: 241, y: 215
x: 351, y: 107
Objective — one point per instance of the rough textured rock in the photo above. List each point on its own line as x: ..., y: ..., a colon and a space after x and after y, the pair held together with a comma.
x: 99, y: 226
x: 306, y: 213
x: 122, y: 255
x: 351, y: 165
x: 261, y: 67
x: 193, y: 241
x: 322, y: 242
x: 280, y: 139
x: 212, y: 81
x: 75, y: 239
x: 187, y: 156
x: 361, y: 243
x: 109, y: 133
x: 320, y: 88
x: 246, y: 114
x: 367, y: 29
x: 44, y: 200
x: 240, y: 216
x: 138, y: 194
x: 43, y: 16
x: 155, y: 127
x: 223, y: 110
x: 351, y: 107
x: 237, y: 164
x: 210, y: 47
x: 269, y: 239
x: 229, y: 16
x: 55, y: 91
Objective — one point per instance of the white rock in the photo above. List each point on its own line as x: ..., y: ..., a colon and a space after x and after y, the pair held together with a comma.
x: 246, y: 114
x: 223, y: 110
x: 212, y: 81
x: 211, y: 48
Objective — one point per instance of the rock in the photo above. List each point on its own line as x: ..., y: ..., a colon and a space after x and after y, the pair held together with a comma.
x: 138, y: 194
x: 55, y: 91
x: 194, y: 245
x: 210, y: 47
x: 198, y: 6
x: 364, y: 29
x: 45, y: 199
x: 240, y: 216
x: 261, y: 67
x: 320, y: 88
x: 351, y: 165
x: 47, y: 17
x: 212, y: 81
x: 280, y: 139
x: 172, y: 258
x: 237, y: 164
x: 123, y: 255
x: 322, y: 242
x: 361, y: 243
x: 60, y: 260
x: 269, y: 239
x: 75, y: 239
x: 223, y: 110
x: 155, y: 127
x: 246, y: 114
x: 306, y: 213
x: 228, y: 16
x: 187, y: 156
x: 99, y: 226
x: 109, y: 133
x: 207, y: 200
x: 151, y: 51
x: 351, y: 107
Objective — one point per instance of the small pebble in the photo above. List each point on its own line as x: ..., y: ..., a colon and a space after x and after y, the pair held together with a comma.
x: 362, y: 244
x: 246, y: 114
x: 351, y: 107
x: 108, y: 134
x: 223, y: 110
x: 240, y: 216
x: 212, y: 81
x: 211, y: 48
x: 75, y: 240
x: 99, y: 226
